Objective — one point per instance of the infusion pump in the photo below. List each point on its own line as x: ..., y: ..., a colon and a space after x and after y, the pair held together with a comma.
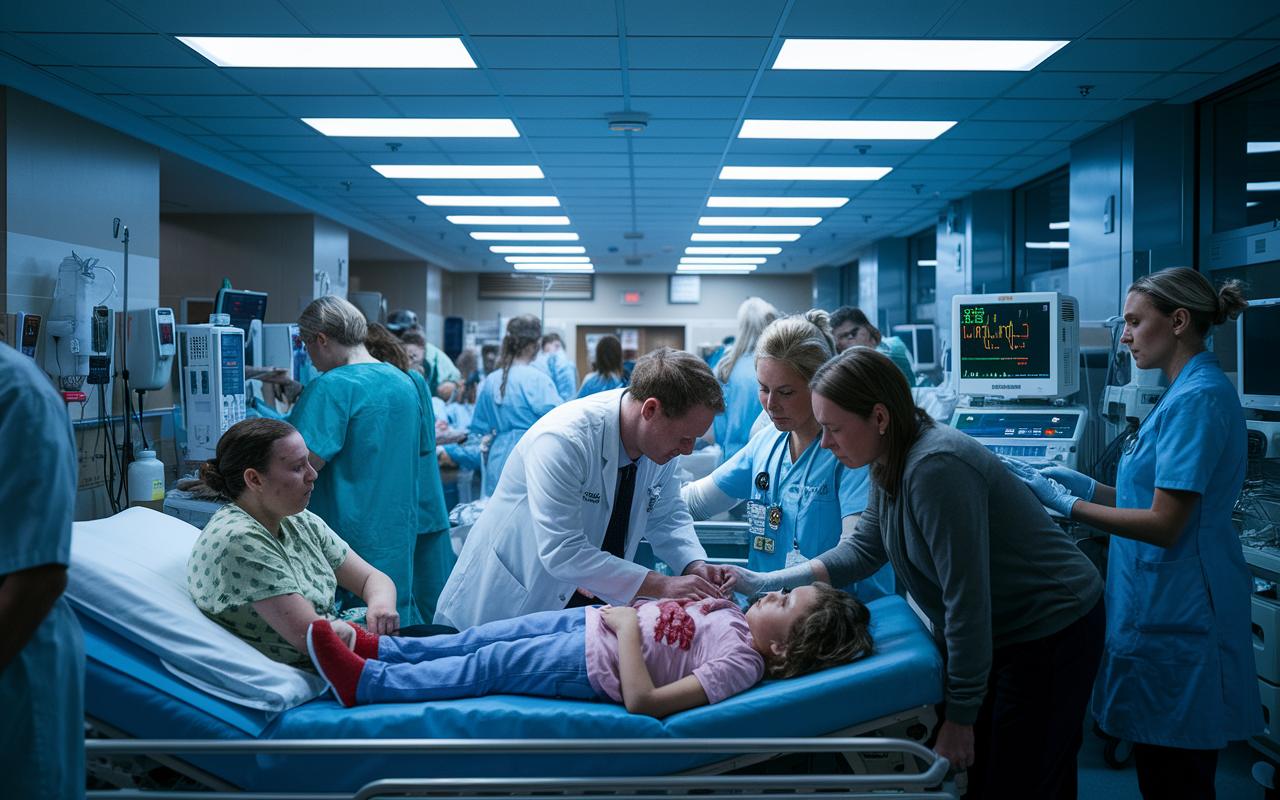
x: 1039, y: 435
x: 211, y: 363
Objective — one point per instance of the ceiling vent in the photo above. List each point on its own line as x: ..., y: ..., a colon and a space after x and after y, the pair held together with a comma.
x: 508, y: 286
x: 634, y: 262
x: 633, y: 121
x: 633, y: 235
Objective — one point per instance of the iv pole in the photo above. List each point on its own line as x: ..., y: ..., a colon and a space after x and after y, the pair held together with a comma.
x: 126, y: 456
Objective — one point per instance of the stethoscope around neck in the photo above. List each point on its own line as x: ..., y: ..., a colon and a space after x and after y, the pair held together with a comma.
x: 764, y: 481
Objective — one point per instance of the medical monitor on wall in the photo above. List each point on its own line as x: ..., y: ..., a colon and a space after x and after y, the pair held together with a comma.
x: 1257, y: 343
x: 245, y: 308
x: 921, y: 342
x: 1023, y: 345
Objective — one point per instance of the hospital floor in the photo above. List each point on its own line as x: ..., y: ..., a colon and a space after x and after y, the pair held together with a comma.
x: 1100, y: 782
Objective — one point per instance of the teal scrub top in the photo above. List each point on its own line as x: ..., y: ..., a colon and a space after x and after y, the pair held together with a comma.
x: 742, y: 406
x: 438, y: 368
x: 368, y: 423
x: 42, y: 690
x: 433, y: 557
x: 896, y: 350
x: 529, y: 395
x: 1178, y: 666
x: 814, y: 495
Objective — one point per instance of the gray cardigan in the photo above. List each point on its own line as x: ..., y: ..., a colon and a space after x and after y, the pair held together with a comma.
x: 978, y: 553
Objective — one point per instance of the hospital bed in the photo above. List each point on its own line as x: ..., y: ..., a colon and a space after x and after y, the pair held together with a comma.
x: 141, y: 684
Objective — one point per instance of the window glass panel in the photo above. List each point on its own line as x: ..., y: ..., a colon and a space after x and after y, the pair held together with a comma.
x: 1246, y: 158
x: 1043, y: 225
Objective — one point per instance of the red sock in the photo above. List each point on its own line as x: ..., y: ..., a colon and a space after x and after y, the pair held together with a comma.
x: 339, y: 666
x: 366, y: 643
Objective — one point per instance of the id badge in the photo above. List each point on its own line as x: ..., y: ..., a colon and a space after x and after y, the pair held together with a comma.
x: 756, y: 513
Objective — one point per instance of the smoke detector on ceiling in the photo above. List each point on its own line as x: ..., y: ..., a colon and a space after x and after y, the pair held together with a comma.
x: 628, y: 121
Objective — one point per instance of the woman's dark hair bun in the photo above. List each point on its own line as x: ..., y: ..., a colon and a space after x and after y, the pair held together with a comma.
x: 211, y: 477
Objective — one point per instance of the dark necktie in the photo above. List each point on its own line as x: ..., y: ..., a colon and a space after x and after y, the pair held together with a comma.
x: 615, y: 536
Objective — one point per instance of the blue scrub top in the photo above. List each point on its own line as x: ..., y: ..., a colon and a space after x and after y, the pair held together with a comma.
x: 42, y: 690
x: 815, y: 494
x: 561, y: 371
x: 742, y: 406
x: 530, y: 394
x: 368, y: 423
x: 593, y: 384
x: 1178, y: 667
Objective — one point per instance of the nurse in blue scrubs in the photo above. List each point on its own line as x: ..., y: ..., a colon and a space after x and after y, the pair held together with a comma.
x: 737, y: 373
x: 799, y: 497
x: 1178, y: 676
x: 364, y: 424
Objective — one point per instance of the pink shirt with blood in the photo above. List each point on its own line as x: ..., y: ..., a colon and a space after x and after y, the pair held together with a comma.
x: 707, y: 638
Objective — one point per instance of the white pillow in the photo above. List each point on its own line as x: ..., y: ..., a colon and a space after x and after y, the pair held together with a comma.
x: 129, y: 572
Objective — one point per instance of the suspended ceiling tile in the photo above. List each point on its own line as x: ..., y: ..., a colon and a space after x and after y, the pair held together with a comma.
x: 1020, y: 162
x: 1186, y: 19
x: 168, y: 80
x: 267, y: 144
x: 768, y: 147
x: 1041, y: 110
x: 1270, y: 30
x: 117, y: 49
x: 313, y: 159
x: 693, y: 52
x: 251, y: 126
x: 1231, y: 55
x: 701, y: 160
x: 556, y: 173
x: 938, y: 108
x: 818, y: 83
x: 663, y: 193
x: 296, y: 81
x: 547, y: 18
x: 1128, y: 55
x: 864, y: 18
x: 377, y: 17
x: 1076, y: 131
x: 875, y: 147
x: 686, y: 83
x: 137, y: 105
x: 1115, y: 110
x: 704, y: 173
x: 1172, y: 85
x: 541, y: 144
x: 215, y: 142
x: 673, y: 183
x: 353, y: 172
x: 537, y: 82
x: 584, y: 160
x: 86, y: 80
x: 333, y: 106
x: 1045, y: 148
x: 423, y: 82
x: 703, y: 18
x: 224, y: 18
x: 967, y: 161
x: 1017, y: 19
x: 236, y: 105
x: 549, y: 52
x: 688, y: 107
x: 464, y: 106
x: 30, y: 53
x: 803, y: 107
x: 1003, y: 130
x: 273, y: 171
x: 467, y: 149
x: 976, y: 147
x: 244, y: 157
x: 179, y: 124
x: 711, y: 144
x: 548, y: 107
x: 1066, y: 85
x: 908, y: 175
x: 374, y: 149
x: 948, y: 84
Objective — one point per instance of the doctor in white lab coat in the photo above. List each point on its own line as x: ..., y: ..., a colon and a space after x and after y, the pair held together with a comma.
x: 540, y: 543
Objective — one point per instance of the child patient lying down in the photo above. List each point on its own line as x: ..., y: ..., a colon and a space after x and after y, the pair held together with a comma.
x: 656, y: 657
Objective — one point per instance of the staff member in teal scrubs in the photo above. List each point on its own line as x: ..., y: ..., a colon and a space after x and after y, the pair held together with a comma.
x: 1178, y: 675
x: 799, y: 497
x: 364, y: 424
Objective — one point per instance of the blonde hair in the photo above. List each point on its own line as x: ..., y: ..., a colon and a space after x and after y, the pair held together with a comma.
x: 754, y: 315
x: 802, y: 341
x: 1180, y: 287
x: 336, y: 318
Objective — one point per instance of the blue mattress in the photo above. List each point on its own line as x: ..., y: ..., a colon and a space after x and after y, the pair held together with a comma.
x: 128, y: 688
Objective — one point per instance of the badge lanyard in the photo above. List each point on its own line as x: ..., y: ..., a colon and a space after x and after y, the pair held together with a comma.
x: 773, y: 507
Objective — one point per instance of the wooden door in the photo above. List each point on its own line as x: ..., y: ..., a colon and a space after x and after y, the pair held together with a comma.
x: 648, y: 339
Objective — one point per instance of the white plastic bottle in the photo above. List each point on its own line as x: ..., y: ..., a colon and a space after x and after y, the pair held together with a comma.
x: 146, y: 481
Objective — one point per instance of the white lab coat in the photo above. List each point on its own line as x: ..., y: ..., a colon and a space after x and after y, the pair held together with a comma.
x: 539, y: 538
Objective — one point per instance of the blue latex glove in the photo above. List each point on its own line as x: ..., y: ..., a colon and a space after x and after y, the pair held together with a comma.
x: 1049, y: 492
x: 1077, y: 483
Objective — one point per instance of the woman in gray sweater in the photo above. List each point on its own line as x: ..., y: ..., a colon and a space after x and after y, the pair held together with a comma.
x: 1015, y: 606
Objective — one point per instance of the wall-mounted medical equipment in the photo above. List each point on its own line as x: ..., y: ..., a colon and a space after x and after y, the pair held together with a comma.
x: 1016, y: 346
x: 211, y: 367
x: 150, y: 345
x: 921, y: 342
x: 244, y: 308
x: 71, y: 320
x: 1125, y: 407
x: 27, y: 333
x: 1039, y: 435
x: 1257, y: 362
x: 282, y: 347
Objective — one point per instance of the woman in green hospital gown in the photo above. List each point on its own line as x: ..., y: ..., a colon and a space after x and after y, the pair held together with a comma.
x: 363, y: 423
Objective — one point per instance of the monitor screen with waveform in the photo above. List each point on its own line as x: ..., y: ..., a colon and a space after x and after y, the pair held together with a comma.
x: 1005, y: 340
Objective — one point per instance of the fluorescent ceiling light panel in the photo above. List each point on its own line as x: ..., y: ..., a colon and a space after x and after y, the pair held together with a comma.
x: 927, y: 262
x: 555, y: 267
x: 776, y: 202
x: 1059, y: 226
x: 491, y: 200
x: 460, y: 171
x: 1251, y: 204
x: 516, y: 236
x: 1048, y: 245
x: 804, y: 173
x: 1264, y: 186
x: 940, y: 55
x: 332, y: 52
x: 732, y: 251
x: 751, y: 222
x: 1262, y: 147
x: 744, y: 237
x: 498, y: 219
x: 548, y: 259
x: 412, y: 128
x: 711, y: 269
x: 714, y: 260
x: 504, y: 248
x: 842, y: 129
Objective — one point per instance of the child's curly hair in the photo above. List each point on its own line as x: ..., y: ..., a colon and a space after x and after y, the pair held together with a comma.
x: 836, y: 632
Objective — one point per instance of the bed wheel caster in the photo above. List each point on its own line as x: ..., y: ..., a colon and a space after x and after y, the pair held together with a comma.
x: 1116, y: 752
x: 917, y: 732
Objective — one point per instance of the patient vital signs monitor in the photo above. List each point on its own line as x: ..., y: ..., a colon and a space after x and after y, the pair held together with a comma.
x: 1015, y: 346
x: 1035, y: 434
x: 1257, y: 343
